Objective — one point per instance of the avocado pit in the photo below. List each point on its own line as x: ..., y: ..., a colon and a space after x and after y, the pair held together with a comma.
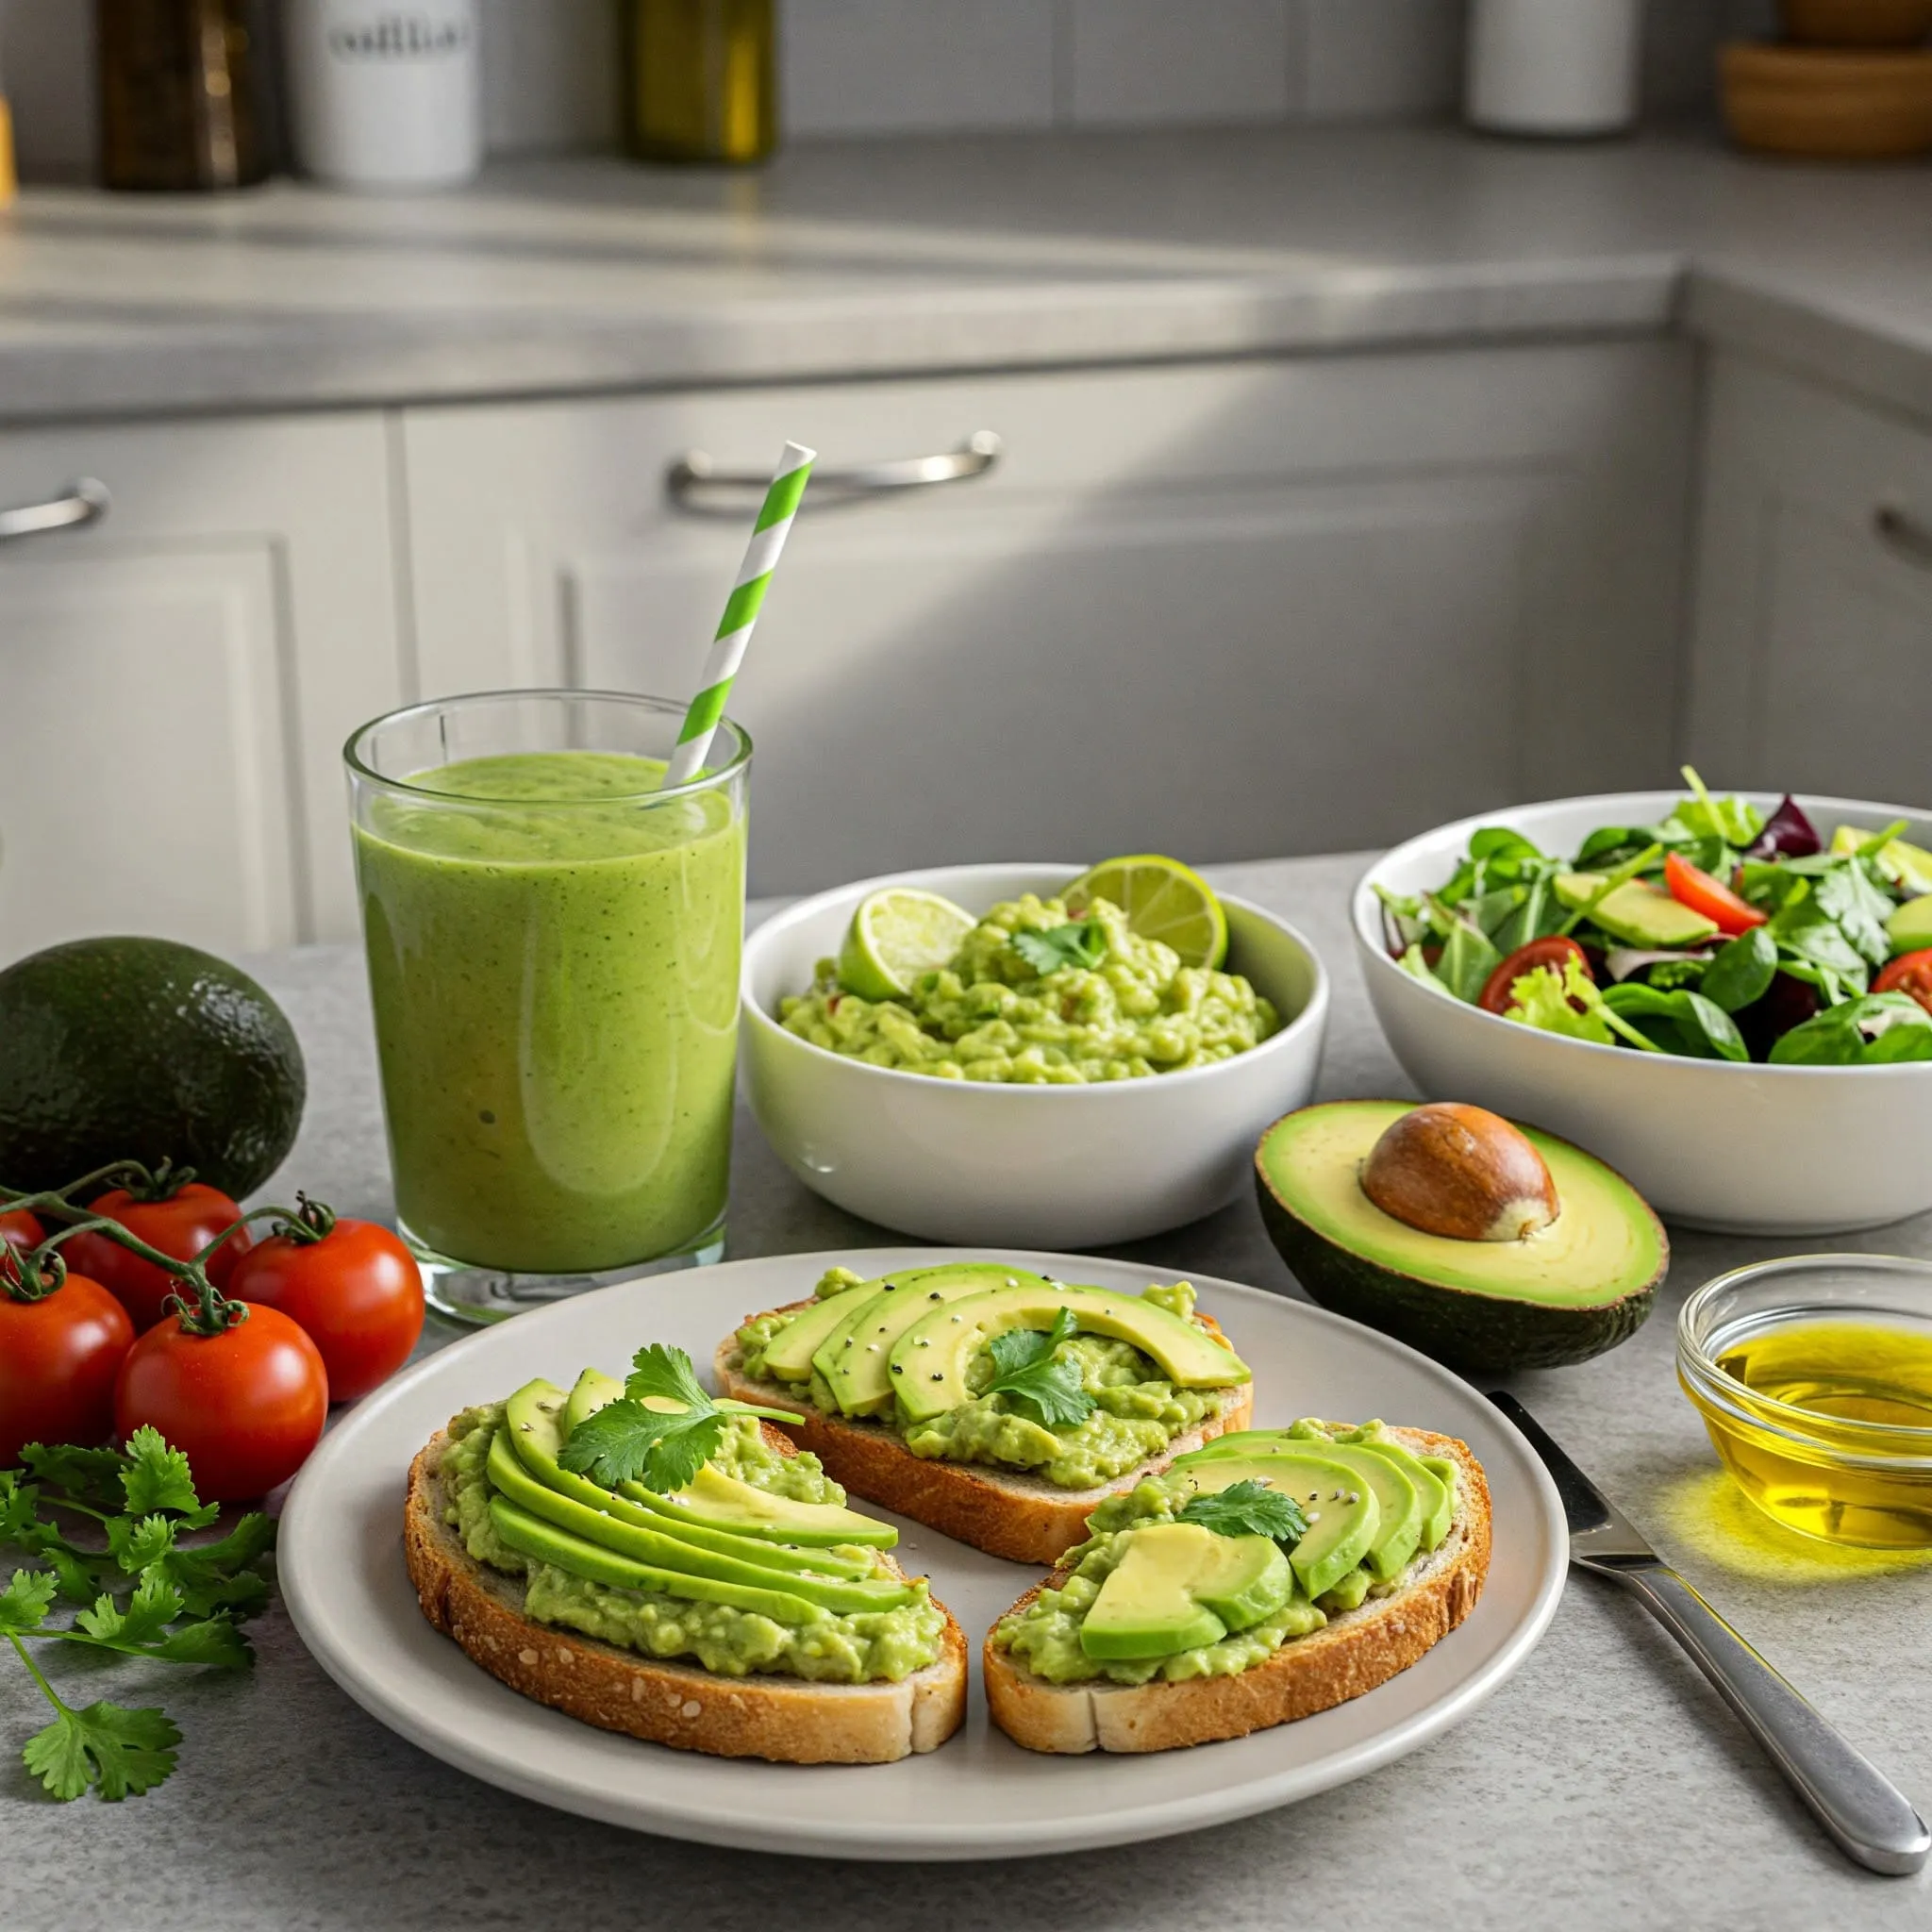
x: 1462, y: 1173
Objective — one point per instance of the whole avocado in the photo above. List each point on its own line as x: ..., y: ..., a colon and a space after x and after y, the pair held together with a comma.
x: 115, y: 1049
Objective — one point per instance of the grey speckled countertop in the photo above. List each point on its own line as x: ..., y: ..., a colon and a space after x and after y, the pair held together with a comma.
x: 1603, y: 1787
x: 955, y: 252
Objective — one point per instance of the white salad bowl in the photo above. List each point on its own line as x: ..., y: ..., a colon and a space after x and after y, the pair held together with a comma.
x: 1745, y: 1149
x: 1021, y: 1166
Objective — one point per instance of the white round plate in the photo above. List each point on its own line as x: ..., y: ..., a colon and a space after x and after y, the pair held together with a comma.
x: 980, y: 1796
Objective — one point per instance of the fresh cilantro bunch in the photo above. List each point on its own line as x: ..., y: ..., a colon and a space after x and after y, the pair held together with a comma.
x: 663, y: 1447
x: 1034, y: 1378
x: 1081, y: 942
x: 145, y: 1593
x: 1247, y: 1509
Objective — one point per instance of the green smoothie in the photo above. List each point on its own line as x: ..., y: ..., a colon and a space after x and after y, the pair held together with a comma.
x: 554, y: 960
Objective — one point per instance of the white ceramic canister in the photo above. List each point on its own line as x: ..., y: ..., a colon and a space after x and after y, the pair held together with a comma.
x: 1554, y: 67
x: 385, y: 93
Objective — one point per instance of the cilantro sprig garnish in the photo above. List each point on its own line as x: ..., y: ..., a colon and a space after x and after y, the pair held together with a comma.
x: 145, y: 1593
x: 1247, y: 1509
x: 1034, y: 1378
x: 664, y: 1447
x: 1081, y: 942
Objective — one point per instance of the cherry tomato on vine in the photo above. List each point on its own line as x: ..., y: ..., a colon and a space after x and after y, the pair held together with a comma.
x: 1910, y: 972
x: 1689, y: 884
x: 20, y: 1229
x: 1552, y: 951
x: 59, y: 1354
x: 245, y: 1405
x: 354, y: 1286
x: 180, y: 1224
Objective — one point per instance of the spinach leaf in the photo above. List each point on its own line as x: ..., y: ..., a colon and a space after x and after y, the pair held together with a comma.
x: 1683, y: 1021
x: 1877, y: 1030
x: 1742, y: 971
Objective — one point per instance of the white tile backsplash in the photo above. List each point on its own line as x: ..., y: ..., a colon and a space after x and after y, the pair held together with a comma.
x: 1381, y: 59
x: 550, y: 74
x: 880, y: 66
x: 1126, y: 62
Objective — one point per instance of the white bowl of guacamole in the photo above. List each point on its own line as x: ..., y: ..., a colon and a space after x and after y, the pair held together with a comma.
x: 1048, y: 1163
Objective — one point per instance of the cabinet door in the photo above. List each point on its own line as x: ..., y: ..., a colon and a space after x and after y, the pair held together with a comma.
x: 176, y: 681
x: 1225, y: 612
x: 1811, y: 668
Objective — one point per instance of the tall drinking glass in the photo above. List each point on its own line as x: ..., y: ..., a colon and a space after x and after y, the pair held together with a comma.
x: 553, y: 954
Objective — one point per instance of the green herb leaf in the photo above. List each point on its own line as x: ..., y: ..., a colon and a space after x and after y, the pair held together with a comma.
x: 89, y: 1475
x: 1027, y: 1372
x: 116, y: 1751
x: 26, y: 1601
x: 668, y: 1375
x: 154, y: 1605
x: 1081, y: 943
x: 136, y: 1542
x: 1247, y: 1509
x: 626, y: 1441
x: 157, y: 1477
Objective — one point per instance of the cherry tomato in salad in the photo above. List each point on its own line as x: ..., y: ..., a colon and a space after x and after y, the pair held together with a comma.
x: 1910, y: 972
x: 59, y: 1358
x: 356, y: 1290
x: 1552, y: 951
x: 20, y: 1229
x: 245, y: 1405
x: 1689, y: 884
x: 181, y: 1224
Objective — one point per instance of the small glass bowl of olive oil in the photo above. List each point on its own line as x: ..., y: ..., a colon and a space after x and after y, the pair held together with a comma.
x: 1814, y: 1377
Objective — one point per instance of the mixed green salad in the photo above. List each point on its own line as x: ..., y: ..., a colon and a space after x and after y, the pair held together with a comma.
x: 1716, y: 934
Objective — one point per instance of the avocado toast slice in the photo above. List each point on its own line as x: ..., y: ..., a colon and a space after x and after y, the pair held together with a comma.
x: 1112, y: 1652
x: 727, y: 1602
x: 995, y: 1405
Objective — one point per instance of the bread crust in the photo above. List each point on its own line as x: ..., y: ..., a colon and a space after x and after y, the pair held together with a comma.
x: 1004, y: 1512
x: 786, y: 1720
x: 1356, y: 1651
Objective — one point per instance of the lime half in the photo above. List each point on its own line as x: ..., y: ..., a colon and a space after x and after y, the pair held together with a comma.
x: 894, y: 937
x: 1163, y: 900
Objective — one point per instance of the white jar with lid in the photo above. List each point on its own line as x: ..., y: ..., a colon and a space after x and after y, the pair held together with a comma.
x: 1554, y: 67
x: 385, y: 93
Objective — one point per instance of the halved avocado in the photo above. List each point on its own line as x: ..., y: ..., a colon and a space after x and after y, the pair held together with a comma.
x: 1562, y: 1294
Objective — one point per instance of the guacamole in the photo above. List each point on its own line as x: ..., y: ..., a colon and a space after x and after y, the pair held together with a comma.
x: 992, y: 1015
x: 853, y: 1647
x: 1045, y: 1636
x: 1136, y: 1412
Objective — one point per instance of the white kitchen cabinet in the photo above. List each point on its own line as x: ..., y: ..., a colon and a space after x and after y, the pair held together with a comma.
x: 176, y: 679
x: 1811, y: 659
x: 1222, y: 610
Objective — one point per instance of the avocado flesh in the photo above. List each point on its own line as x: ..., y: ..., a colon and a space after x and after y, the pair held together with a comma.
x: 1398, y: 1502
x: 1567, y: 1293
x: 929, y: 1360
x: 1340, y: 1533
x: 724, y: 1514
x: 1438, y: 1495
x: 535, y: 1536
x: 855, y: 1358
x: 1910, y: 927
x: 594, y: 1389
x: 1179, y: 1586
x: 789, y: 1354
x: 1634, y: 912
x: 659, y: 1548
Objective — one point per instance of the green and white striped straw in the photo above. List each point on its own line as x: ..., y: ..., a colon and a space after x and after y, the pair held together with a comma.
x: 742, y: 612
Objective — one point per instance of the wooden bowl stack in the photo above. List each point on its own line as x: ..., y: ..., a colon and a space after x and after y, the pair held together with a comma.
x: 1852, y: 80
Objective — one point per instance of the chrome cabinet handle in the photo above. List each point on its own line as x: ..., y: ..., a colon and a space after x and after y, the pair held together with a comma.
x: 1902, y: 534
x: 84, y: 501
x: 692, y: 479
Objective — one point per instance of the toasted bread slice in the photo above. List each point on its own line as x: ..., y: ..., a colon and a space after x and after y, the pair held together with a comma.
x: 785, y: 1719
x: 1004, y: 1512
x: 1356, y: 1651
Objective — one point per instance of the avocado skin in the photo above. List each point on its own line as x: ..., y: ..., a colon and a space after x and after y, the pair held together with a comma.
x: 143, y: 1049
x: 1473, y: 1334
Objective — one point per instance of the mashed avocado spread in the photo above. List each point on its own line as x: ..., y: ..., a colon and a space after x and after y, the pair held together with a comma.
x: 991, y: 1014
x: 1134, y: 1413
x: 1046, y: 1636
x: 851, y: 1647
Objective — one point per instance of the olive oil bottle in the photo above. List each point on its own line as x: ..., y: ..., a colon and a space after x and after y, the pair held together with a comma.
x: 701, y: 79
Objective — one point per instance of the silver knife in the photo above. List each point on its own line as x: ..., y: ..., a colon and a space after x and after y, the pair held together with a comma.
x: 1873, y: 1821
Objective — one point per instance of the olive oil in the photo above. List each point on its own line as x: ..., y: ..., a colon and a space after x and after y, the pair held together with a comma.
x: 701, y: 84
x: 1839, y: 1471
